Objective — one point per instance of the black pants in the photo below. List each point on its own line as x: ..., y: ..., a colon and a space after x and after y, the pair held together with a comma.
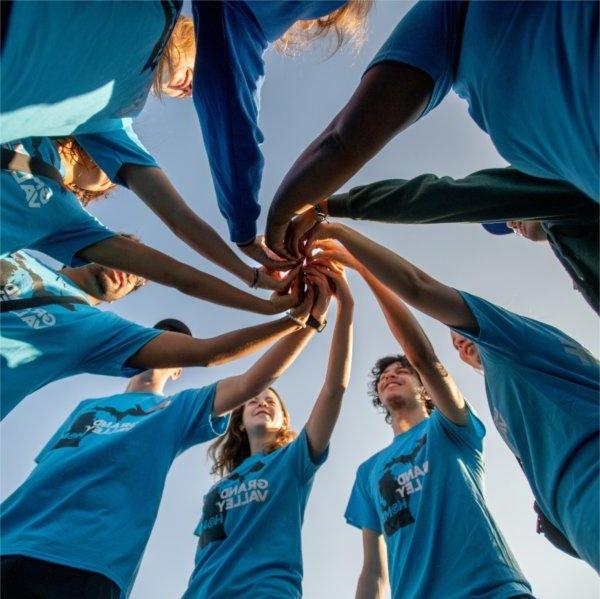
x: 27, y: 578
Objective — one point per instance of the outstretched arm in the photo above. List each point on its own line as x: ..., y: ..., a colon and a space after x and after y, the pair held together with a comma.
x: 373, y: 579
x: 439, y: 385
x: 170, y: 350
x: 414, y: 286
x: 325, y: 412
x: 131, y: 256
x: 390, y: 97
x: 234, y: 391
x: 155, y: 189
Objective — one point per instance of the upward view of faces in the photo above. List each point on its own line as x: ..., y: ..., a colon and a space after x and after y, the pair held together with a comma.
x: 398, y: 387
x: 108, y: 284
x: 467, y: 350
x: 263, y: 413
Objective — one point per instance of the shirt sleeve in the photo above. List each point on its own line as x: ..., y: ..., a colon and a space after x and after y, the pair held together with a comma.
x: 110, y: 150
x: 428, y: 38
x: 299, y: 453
x: 115, y: 340
x: 505, y: 336
x: 361, y: 511
x: 489, y: 195
x: 195, y: 408
x: 470, y: 436
x: 78, y: 229
x: 228, y: 75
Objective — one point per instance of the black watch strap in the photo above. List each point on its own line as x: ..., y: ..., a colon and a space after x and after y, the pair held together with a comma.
x: 320, y: 214
x: 315, y: 324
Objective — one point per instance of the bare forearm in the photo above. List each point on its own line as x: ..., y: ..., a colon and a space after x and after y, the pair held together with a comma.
x: 155, y: 189
x: 134, y: 257
x: 402, y: 323
x: 234, y: 391
x: 370, y: 586
x: 324, y: 415
x: 170, y: 350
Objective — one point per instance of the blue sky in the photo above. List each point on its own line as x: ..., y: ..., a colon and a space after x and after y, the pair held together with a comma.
x: 300, y: 96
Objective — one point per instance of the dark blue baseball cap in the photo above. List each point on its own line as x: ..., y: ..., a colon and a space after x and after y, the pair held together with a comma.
x: 497, y: 228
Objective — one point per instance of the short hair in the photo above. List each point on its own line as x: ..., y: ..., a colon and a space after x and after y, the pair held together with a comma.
x: 376, y: 373
x: 173, y: 325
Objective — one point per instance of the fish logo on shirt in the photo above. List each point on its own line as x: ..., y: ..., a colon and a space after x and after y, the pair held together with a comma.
x: 216, y: 504
x: 89, y: 423
x: 395, y: 490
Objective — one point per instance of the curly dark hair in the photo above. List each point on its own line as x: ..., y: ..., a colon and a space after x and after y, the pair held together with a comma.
x: 376, y: 373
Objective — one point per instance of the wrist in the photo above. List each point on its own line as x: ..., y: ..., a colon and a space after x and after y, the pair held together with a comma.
x: 249, y: 242
x: 295, y: 319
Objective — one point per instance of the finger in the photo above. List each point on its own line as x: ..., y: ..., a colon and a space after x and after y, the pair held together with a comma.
x: 275, y: 241
x: 290, y: 277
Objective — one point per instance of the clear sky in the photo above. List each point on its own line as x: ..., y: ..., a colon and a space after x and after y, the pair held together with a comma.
x: 299, y: 98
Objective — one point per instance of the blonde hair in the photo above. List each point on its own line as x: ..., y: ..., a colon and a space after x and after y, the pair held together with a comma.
x: 348, y: 22
x: 230, y: 450
x: 71, y: 153
x: 182, y: 40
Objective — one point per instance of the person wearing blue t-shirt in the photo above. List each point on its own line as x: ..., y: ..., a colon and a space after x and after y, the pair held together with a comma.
x: 542, y: 389
x: 421, y: 499
x: 51, y: 328
x: 38, y: 212
x: 231, y: 39
x: 539, y: 106
x: 79, y: 524
x: 249, y: 535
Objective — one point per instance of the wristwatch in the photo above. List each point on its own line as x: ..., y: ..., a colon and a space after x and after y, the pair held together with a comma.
x: 315, y: 324
x: 320, y: 214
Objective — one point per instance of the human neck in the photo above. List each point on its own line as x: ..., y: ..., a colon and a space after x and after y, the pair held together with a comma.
x: 403, y: 420
x: 83, y: 279
x: 261, y: 440
x: 149, y: 381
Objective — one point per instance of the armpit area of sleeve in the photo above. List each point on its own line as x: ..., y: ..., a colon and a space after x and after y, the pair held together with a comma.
x: 441, y: 86
x: 361, y: 523
x: 71, y: 247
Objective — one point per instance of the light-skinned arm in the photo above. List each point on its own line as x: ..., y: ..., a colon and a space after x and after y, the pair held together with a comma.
x: 440, y: 386
x: 155, y: 189
x: 169, y: 350
x: 410, y: 283
x: 236, y: 390
x: 373, y: 579
x: 131, y: 256
x: 326, y: 410
x: 390, y: 97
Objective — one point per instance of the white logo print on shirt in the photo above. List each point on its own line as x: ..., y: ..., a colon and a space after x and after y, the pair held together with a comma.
x: 37, y: 194
x: 36, y: 318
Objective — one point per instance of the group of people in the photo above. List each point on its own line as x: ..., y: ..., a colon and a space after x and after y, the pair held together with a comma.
x: 529, y: 73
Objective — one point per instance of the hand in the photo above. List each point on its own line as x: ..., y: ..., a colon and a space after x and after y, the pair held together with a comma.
x: 275, y: 279
x: 275, y: 235
x: 336, y: 252
x: 285, y: 301
x: 320, y: 232
x: 259, y: 252
x: 297, y: 232
x: 323, y: 296
x: 303, y: 310
x: 337, y: 277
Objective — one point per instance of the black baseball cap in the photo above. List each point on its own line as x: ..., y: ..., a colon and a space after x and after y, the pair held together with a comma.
x: 174, y: 325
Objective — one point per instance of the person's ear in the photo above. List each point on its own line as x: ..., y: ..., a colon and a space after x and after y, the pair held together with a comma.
x: 175, y: 375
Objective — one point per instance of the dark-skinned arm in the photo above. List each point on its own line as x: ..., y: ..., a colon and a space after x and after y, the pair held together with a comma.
x: 390, y: 97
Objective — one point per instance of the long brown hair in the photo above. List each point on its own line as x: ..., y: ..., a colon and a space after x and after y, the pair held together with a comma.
x: 71, y: 153
x: 181, y: 39
x: 230, y: 450
x: 349, y: 22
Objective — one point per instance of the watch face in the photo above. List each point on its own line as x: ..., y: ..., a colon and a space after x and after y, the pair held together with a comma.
x: 315, y: 324
x: 321, y: 326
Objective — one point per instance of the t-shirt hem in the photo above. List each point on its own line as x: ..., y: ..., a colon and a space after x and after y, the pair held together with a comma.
x: 63, y: 561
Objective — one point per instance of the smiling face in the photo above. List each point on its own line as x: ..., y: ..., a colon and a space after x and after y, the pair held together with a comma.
x: 108, y: 284
x: 398, y: 387
x: 467, y: 350
x: 263, y: 413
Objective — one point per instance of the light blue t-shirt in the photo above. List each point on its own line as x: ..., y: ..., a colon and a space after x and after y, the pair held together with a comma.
x: 93, y: 498
x: 92, y: 66
x: 543, y: 389
x: 528, y: 70
x: 424, y: 493
x: 50, y: 342
x: 110, y: 150
x: 37, y: 213
x: 249, y: 536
